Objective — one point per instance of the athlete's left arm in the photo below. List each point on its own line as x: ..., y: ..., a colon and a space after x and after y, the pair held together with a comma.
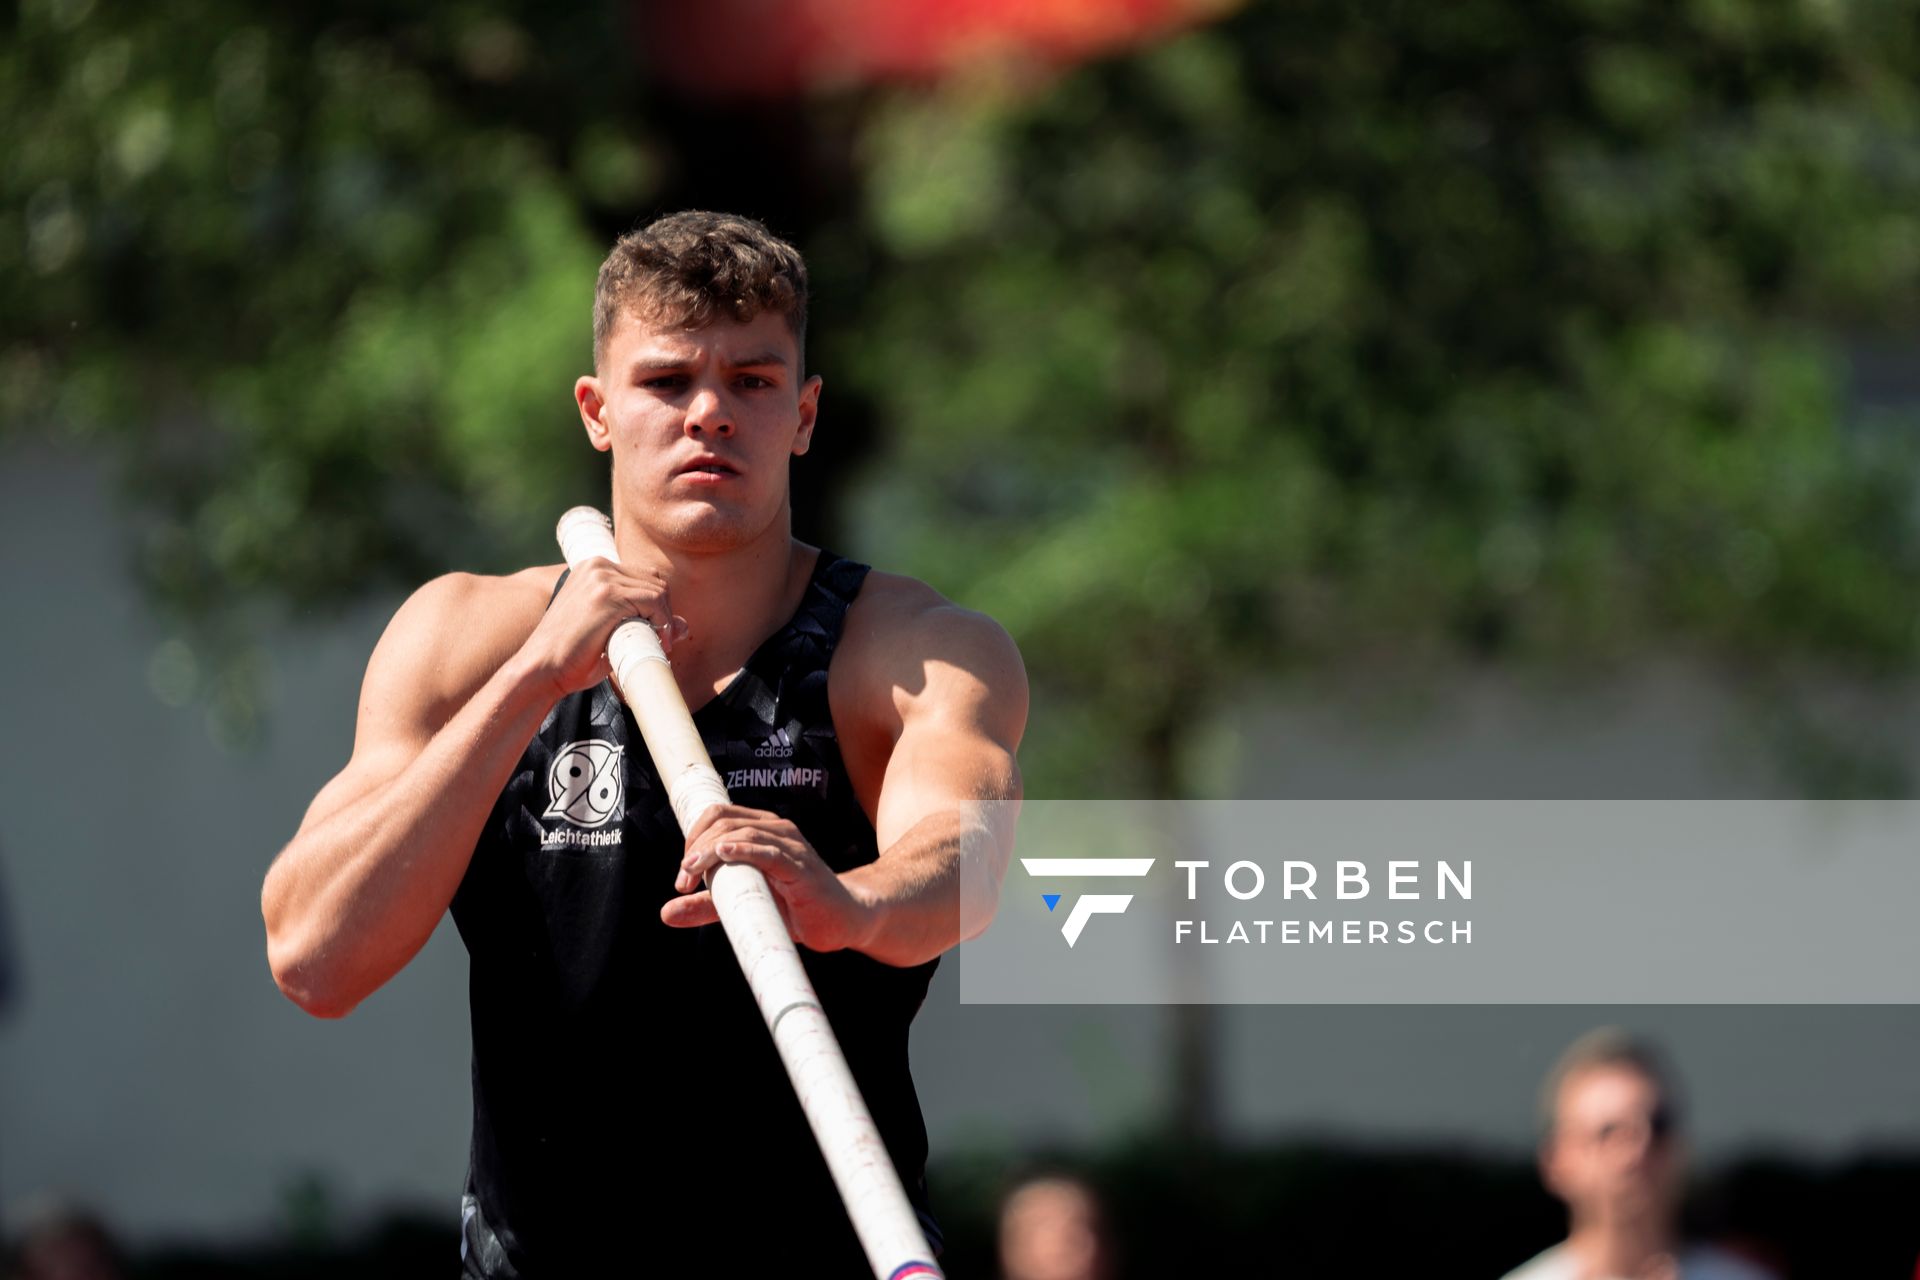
x: 949, y: 688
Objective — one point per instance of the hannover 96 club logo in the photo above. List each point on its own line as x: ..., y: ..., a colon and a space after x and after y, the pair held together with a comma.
x: 584, y: 786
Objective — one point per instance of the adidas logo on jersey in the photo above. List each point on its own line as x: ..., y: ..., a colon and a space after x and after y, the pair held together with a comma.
x: 778, y: 747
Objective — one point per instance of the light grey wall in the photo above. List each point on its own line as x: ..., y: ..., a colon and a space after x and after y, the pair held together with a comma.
x: 151, y: 1069
x: 1816, y: 1082
x: 150, y: 1066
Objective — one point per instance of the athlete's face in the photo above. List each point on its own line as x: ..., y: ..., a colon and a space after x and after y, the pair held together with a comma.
x: 700, y: 424
x: 1613, y: 1154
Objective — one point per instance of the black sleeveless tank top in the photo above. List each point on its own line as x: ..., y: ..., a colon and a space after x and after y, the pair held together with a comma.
x: 630, y: 1114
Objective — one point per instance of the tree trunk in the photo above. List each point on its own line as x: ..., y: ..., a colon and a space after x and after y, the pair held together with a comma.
x: 1191, y: 1112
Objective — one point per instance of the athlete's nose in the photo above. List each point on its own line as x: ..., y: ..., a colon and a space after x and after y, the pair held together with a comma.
x: 707, y: 413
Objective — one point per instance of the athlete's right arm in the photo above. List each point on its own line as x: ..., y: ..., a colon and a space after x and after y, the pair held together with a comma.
x: 455, y: 690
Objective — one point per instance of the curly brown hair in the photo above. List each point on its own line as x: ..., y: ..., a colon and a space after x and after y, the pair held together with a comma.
x: 689, y: 269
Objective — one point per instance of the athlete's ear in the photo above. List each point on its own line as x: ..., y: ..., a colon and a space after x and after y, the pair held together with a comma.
x: 809, y: 410
x: 593, y: 411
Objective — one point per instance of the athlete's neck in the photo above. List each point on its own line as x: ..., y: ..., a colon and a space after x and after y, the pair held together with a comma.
x: 732, y: 599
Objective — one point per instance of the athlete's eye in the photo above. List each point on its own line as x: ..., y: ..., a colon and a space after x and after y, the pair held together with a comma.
x: 754, y: 382
x: 664, y: 382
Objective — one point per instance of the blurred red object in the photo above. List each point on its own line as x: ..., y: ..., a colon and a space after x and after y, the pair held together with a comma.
x: 778, y: 48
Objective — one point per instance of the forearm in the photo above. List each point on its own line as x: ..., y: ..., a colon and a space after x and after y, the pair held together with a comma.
x: 935, y: 887
x: 353, y: 898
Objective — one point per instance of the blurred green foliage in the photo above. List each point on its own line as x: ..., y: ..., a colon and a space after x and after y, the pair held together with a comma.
x: 1341, y: 333
x: 316, y: 277
x: 1331, y: 334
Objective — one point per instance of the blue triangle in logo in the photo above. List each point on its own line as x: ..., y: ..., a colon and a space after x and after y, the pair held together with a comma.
x: 1051, y: 899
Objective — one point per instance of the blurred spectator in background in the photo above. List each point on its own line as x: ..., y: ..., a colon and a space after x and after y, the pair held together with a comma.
x: 1612, y: 1151
x: 63, y: 1242
x: 1053, y: 1228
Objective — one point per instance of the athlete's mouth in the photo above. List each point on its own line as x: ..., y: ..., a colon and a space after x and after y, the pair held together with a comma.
x: 707, y: 464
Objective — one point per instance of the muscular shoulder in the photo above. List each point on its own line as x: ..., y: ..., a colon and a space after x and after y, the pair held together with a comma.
x: 904, y: 643
x: 455, y: 631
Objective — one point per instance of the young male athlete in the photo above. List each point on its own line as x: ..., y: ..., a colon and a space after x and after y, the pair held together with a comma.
x: 630, y: 1115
